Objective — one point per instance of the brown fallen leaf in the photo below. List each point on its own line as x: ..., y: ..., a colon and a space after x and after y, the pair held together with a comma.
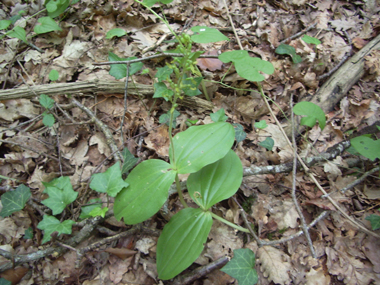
x: 211, y: 64
x: 122, y: 253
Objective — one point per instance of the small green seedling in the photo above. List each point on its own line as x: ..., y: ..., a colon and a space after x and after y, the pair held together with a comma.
x: 53, y: 75
x: 268, y: 143
x: 289, y: 50
x: 366, y: 146
x: 374, y: 220
x: 115, y: 33
x: 311, y: 40
x: 48, y: 103
x: 312, y: 112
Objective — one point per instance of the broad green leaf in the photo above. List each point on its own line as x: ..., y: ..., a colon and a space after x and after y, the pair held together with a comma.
x: 48, y: 119
x: 129, y: 161
x: 311, y: 40
x: 199, y: 146
x: 15, y: 200
x: 50, y: 224
x: 192, y: 88
x: 375, y: 221
x: 240, y: 134
x: 47, y: 25
x: 261, y: 125
x: 119, y: 71
x: 53, y: 75
x: 164, y: 118
x: 60, y: 193
x: 246, y: 66
x: 149, y: 183
x: 163, y: 73
x: 150, y: 3
x: 99, y: 212
x: 161, y: 91
x: 205, y: 35
x: 241, y: 267
x: 216, y: 182
x: 366, y: 147
x: 18, y: 33
x: 219, y: 116
x: 56, y: 7
x: 289, y: 50
x: 86, y: 209
x: 109, y: 182
x: 115, y: 33
x: 28, y: 233
x: 46, y: 101
x: 312, y: 112
x: 4, y: 281
x: 268, y: 143
x: 182, y: 241
x: 4, y: 24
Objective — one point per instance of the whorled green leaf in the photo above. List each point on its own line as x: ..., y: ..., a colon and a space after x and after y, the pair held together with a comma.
x: 119, y: 71
x: 149, y: 183
x: 14, y: 201
x: 246, y: 66
x: 199, y: 146
x: 117, y: 32
x: 242, y: 267
x: 312, y: 112
x: 109, y: 182
x: 366, y: 147
x: 47, y: 25
x: 182, y: 241
x: 50, y: 224
x: 19, y: 33
x: 205, y: 35
x: 216, y: 182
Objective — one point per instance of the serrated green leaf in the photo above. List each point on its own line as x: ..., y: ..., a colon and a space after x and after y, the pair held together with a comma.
x: 216, y: 182
x: 219, y: 116
x: 15, y: 200
x: 366, y: 147
x: 199, y: 146
x: 53, y: 75
x: 240, y: 134
x: 241, y: 267
x: 98, y: 211
x: 46, y: 101
x: 311, y: 40
x: 182, y: 241
x: 117, y: 32
x: 60, y: 193
x: 205, y: 35
x: 19, y: 33
x: 149, y: 184
x: 163, y: 73
x: 312, y: 112
x: 119, y: 71
x: 48, y: 119
x: 129, y: 161
x: 164, y: 118
x: 86, y: 209
x: 246, y: 66
x: 56, y: 7
x: 268, y: 143
x: 261, y: 125
x: 161, y: 91
x: 28, y: 233
x: 47, y: 25
x: 50, y: 224
x: 375, y: 221
x: 109, y: 182
x: 4, y: 24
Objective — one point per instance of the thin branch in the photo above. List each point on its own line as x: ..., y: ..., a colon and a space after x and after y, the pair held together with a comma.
x: 299, y: 33
x: 232, y: 25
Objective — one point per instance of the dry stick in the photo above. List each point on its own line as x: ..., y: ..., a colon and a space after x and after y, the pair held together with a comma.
x: 299, y: 33
x: 311, y: 175
x: 125, y: 105
x: 294, y: 184
x: 107, y: 133
x: 232, y: 25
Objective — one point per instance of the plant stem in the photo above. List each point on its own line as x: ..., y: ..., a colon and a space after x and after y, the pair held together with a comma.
x: 180, y: 195
x: 239, y: 228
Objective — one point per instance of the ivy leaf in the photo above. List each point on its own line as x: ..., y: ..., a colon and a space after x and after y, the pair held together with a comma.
x: 115, y: 33
x: 246, y: 66
x: 375, y: 221
x: 28, y: 233
x: 312, y: 112
x: 15, y: 200
x: 205, y: 35
x: 241, y: 267
x: 219, y: 116
x: 366, y: 147
x: 60, y: 193
x: 109, y: 182
x: 161, y: 91
x: 261, y: 125
x: 86, y: 210
x: 119, y: 71
x: 18, y: 33
x: 129, y: 161
x: 268, y: 143
x: 240, y: 134
x: 47, y: 25
x: 50, y: 224
x: 311, y: 40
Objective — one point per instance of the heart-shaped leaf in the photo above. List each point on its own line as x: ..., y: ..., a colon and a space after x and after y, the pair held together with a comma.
x: 217, y: 181
x: 199, y: 146
x: 149, y: 184
x: 366, y: 147
x: 182, y: 241
x: 312, y: 112
x: 207, y: 35
x: 47, y: 25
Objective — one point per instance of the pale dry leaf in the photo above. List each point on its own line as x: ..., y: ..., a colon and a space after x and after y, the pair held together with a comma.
x: 144, y: 244
x: 101, y: 141
x: 158, y: 141
x: 285, y: 214
x: 274, y: 264
x: 317, y: 277
x: 12, y: 110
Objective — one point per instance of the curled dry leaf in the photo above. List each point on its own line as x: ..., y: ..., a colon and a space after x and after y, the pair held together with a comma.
x: 211, y: 64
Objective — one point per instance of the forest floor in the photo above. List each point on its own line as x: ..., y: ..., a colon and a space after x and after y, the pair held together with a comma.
x: 31, y: 153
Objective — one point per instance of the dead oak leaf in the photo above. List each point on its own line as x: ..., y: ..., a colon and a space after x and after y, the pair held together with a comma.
x: 211, y: 64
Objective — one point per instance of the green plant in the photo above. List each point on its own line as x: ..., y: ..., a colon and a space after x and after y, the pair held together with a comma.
x: 48, y: 103
x: 374, y: 220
